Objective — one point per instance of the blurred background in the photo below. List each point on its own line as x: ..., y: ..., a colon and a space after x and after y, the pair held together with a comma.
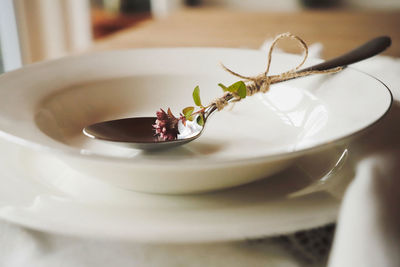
x: 34, y: 30
x: 111, y: 15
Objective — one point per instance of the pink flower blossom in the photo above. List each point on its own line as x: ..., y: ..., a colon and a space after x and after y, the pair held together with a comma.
x: 166, y: 125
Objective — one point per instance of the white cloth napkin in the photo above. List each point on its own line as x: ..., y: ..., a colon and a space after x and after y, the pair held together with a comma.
x: 367, y: 233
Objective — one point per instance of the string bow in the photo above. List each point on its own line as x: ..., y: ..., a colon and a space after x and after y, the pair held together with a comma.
x: 262, y: 82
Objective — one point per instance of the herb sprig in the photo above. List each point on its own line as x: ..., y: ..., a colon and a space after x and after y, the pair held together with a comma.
x: 166, y: 125
x: 238, y: 88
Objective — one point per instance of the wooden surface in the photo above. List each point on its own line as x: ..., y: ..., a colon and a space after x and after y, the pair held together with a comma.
x: 339, y: 31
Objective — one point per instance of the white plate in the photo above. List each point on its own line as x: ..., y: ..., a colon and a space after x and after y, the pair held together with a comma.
x: 45, y: 106
x: 70, y: 203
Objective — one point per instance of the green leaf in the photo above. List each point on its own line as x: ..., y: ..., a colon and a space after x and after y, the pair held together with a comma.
x: 200, y: 120
x: 223, y: 87
x: 242, y: 91
x: 239, y: 88
x: 196, y: 96
x: 187, y: 112
x: 240, y: 85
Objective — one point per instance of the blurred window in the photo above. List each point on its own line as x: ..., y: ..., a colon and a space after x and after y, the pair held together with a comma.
x: 1, y: 60
x: 10, y: 54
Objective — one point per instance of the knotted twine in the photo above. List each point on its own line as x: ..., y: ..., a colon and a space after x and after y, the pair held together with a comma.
x: 261, y: 83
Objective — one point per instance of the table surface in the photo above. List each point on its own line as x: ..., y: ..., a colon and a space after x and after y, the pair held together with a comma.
x: 338, y: 30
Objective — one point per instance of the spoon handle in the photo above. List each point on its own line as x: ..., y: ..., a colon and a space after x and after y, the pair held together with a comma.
x: 367, y: 50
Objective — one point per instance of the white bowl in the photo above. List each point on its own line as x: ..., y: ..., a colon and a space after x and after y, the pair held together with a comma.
x: 45, y: 106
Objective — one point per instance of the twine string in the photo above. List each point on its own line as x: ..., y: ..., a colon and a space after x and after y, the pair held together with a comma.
x: 262, y: 82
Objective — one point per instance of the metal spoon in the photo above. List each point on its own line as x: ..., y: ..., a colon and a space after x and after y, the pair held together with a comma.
x: 139, y: 133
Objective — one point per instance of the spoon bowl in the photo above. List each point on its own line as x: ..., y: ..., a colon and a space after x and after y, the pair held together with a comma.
x: 133, y: 132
